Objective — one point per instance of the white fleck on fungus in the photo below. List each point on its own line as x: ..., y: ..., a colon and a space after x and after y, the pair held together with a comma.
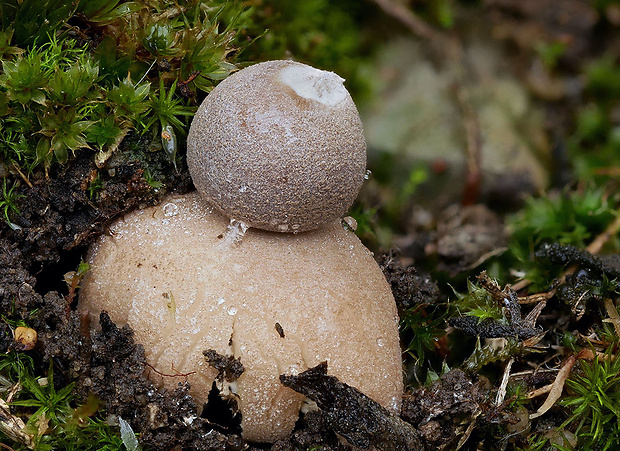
x: 278, y: 146
x: 281, y: 303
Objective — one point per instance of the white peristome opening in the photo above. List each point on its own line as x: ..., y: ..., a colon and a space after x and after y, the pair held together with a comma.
x: 314, y: 84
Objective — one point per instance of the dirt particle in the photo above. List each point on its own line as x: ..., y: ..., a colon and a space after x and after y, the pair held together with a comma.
x: 280, y: 330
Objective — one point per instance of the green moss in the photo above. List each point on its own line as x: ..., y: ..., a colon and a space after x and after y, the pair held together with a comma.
x: 425, y: 326
x: 478, y: 302
x: 593, y: 401
x: 41, y: 402
x: 595, y: 141
x: 569, y: 218
x: 58, y: 95
x: 7, y: 203
x: 331, y: 35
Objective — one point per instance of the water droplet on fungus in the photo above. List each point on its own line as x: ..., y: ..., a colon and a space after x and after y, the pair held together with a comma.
x: 234, y: 233
x: 170, y: 209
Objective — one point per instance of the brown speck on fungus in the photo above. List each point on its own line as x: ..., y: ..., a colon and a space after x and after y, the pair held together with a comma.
x: 280, y: 330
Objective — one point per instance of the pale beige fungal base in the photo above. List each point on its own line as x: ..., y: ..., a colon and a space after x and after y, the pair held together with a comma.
x: 165, y: 273
x: 279, y: 146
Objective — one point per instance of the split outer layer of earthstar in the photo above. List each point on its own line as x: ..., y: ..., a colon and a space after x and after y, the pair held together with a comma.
x: 280, y: 302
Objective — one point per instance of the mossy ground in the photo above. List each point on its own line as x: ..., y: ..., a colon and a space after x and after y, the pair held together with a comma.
x: 480, y: 357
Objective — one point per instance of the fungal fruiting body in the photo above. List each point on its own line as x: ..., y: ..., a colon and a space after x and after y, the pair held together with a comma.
x: 281, y: 303
x: 278, y: 146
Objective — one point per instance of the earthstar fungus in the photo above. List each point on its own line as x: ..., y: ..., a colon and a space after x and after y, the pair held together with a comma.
x: 279, y: 302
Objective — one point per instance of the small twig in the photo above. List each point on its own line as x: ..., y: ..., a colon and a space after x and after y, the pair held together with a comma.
x: 15, y: 389
x: 501, y: 393
x: 612, y: 229
x: 535, y: 298
x: 558, y: 384
x: 469, y: 430
x: 530, y: 372
x: 532, y: 317
x: 533, y: 341
x: 170, y: 375
x: 484, y: 257
x: 21, y: 174
x: 14, y: 427
x: 492, y: 287
x: 539, y: 391
x: 473, y: 178
x: 408, y: 18
x: 521, y: 284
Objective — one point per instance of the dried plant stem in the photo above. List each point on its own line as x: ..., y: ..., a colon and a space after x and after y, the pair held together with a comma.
x: 14, y: 427
x: 556, y: 387
x: 473, y: 178
x: 501, y: 393
x: 535, y: 298
x: 21, y: 174
x: 539, y: 391
x: 408, y: 18
x: 614, y: 318
x: 521, y: 284
x: 612, y: 229
x: 469, y: 430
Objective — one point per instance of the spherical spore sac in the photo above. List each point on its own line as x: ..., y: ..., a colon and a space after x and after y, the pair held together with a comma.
x: 279, y: 146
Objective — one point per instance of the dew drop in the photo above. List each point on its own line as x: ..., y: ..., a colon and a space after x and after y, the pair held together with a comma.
x: 232, y: 311
x: 380, y: 342
x: 367, y: 174
x: 169, y: 143
x: 234, y: 233
x: 349, y: 223
x: 171, y: 209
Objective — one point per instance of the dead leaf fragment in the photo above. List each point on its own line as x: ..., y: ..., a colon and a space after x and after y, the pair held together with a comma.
x: 14, y: 427
x: 556, y: 387
x: 351, y: 414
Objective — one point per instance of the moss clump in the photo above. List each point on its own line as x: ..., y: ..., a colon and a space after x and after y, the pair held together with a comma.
x: 100, y: 69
